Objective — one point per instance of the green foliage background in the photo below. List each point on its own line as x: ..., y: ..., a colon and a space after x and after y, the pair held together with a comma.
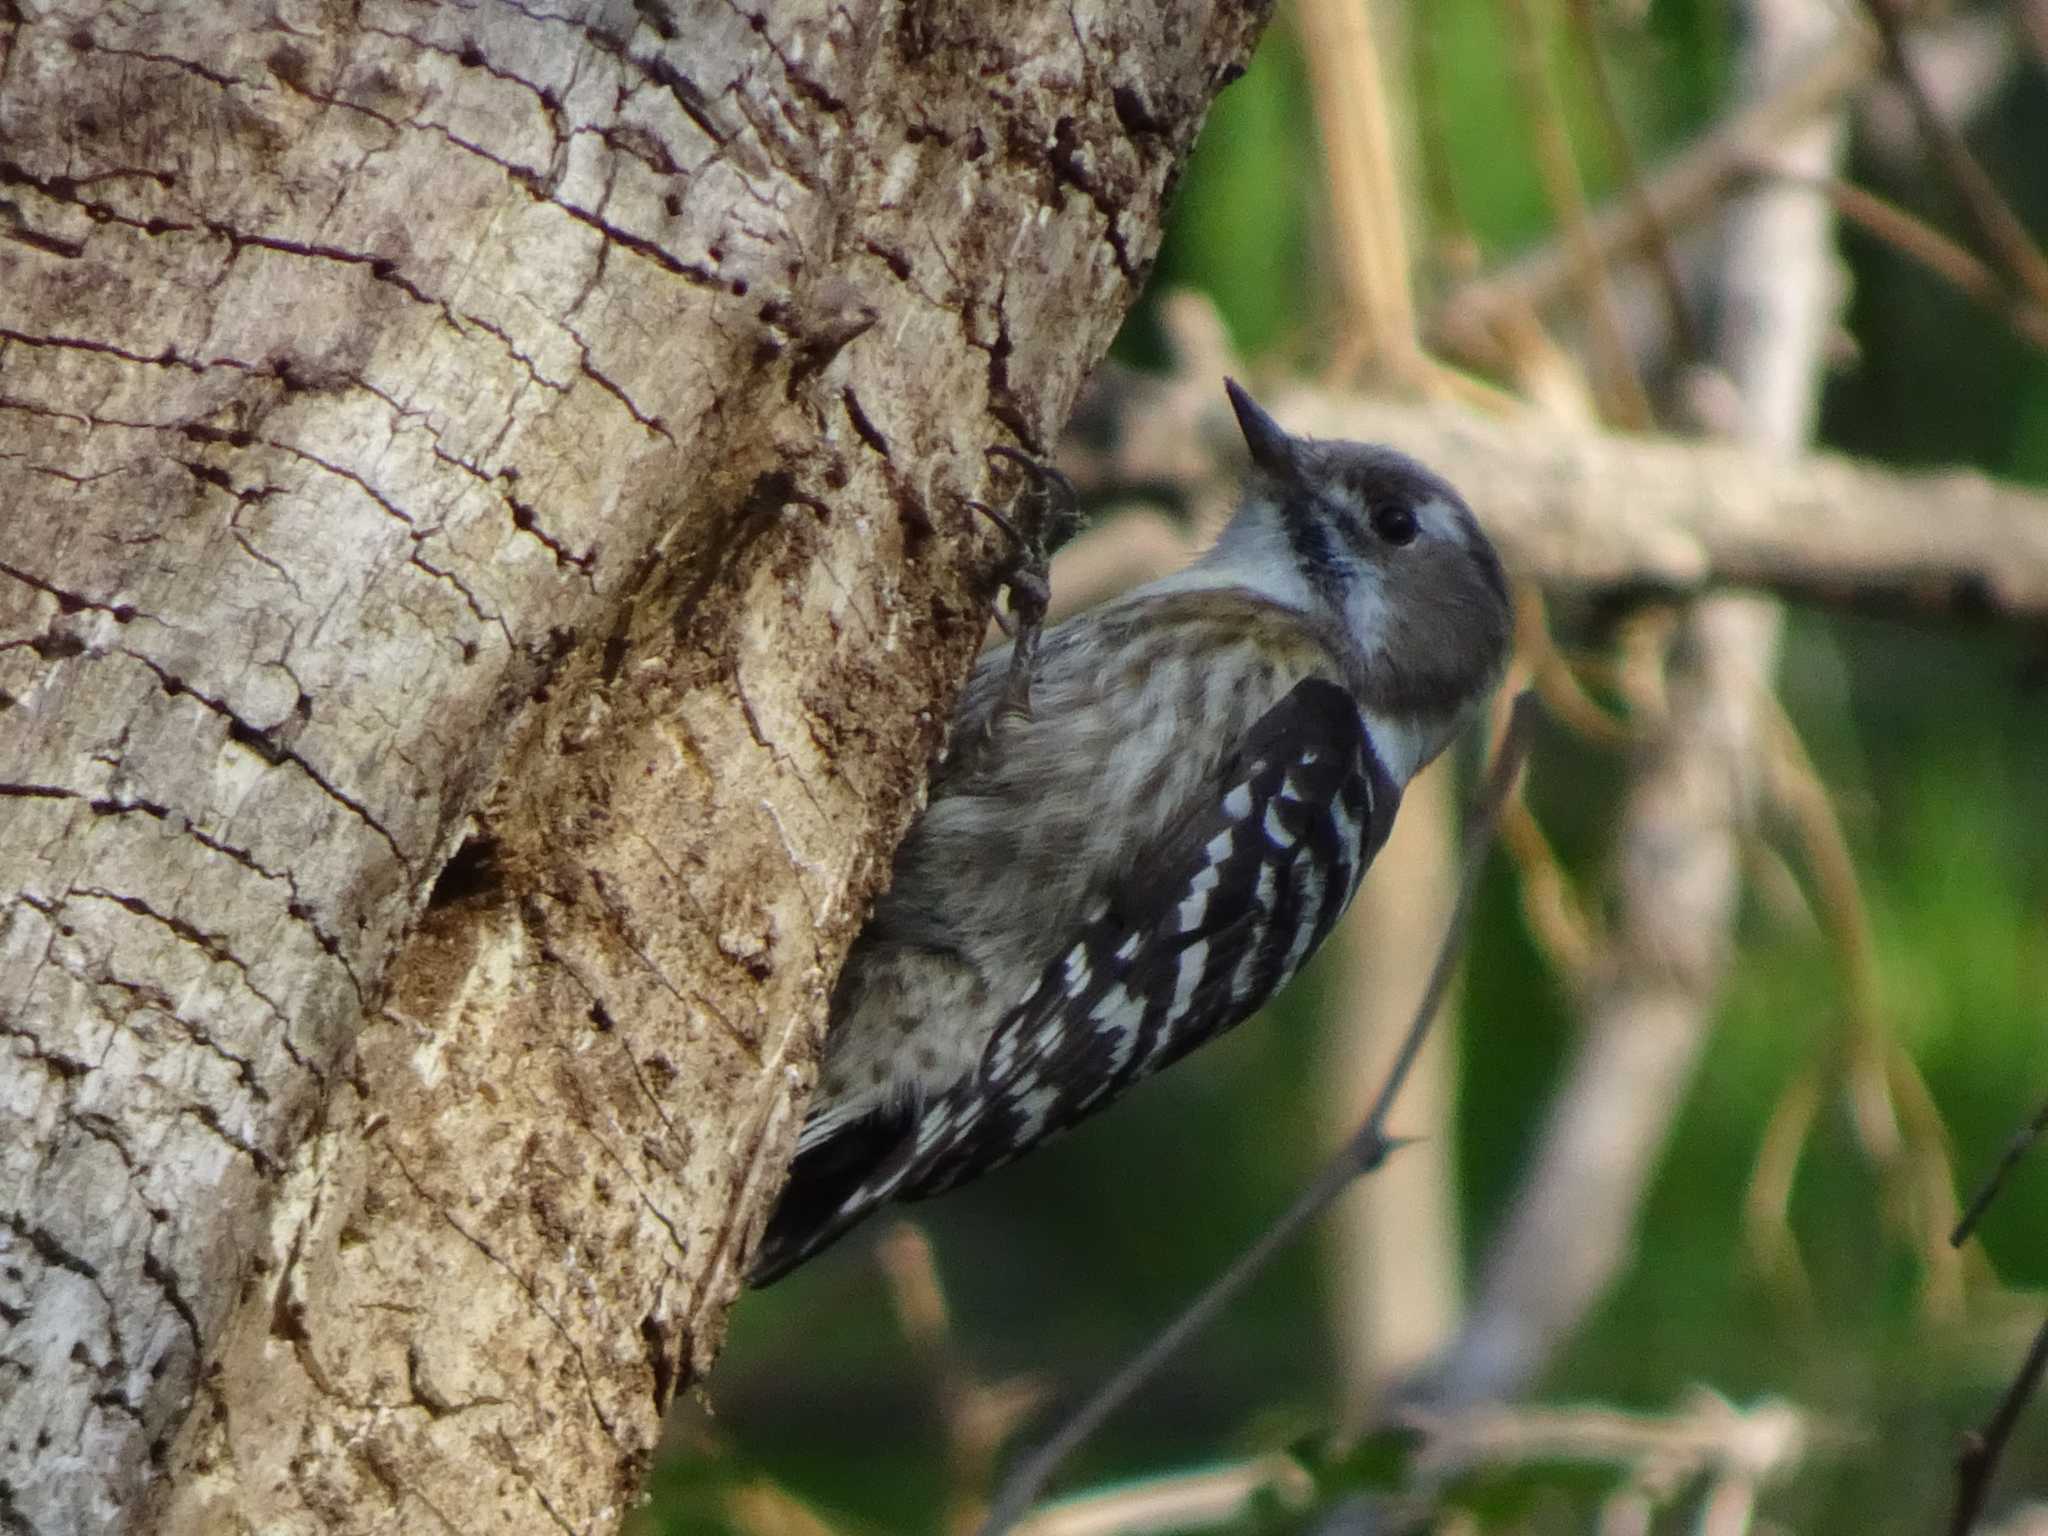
x: 1935, y: 742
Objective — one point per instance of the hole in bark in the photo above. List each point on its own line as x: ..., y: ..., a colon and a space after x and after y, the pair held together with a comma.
x: 471, y: 875
x: 614, y: 656
x: 659, y: 1362
x: 56, y: 645
x: 289, y: 64
x: 658, y: 19
x: 259, y: 742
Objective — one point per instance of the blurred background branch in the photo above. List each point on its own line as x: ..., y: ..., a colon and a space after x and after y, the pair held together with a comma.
x: 1582, y: 511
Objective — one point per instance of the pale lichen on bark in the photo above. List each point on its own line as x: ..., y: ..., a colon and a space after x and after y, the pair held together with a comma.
x: 534, y: 431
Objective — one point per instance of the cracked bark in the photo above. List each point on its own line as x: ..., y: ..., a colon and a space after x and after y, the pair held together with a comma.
x: 483, y: 576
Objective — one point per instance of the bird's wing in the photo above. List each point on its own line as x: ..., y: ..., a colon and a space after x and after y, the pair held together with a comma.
x: 1210, y: 922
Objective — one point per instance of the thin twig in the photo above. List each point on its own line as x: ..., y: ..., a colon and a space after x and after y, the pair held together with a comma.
x: 2022, y: 1143
x: 1623, y: 397
x: 1554, y: 677
x: 1450, y: 231
x: 1682, y: 190
x: 1179, y: 1501
x: 2005, y: 237
x: 1978, y: 1459
x: 1766, y: 1205
x: 1348, y: 90
x: 1663, y: 258
x: 978, y: 1416
x: 1366, y: 1150
x: 1894, y: 1117
x: 1927, y: 247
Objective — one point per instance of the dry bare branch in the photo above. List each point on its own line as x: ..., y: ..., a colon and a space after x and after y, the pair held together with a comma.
x: 1620, y: 389
x: 1894, y: 1114
x: 1677, y: 194
x: 1394, y: 1265
x: 1998, y: 227
x: 1349, y: 90
x: 1706, y: 1435
x: 2021, y: 1144
x: 1605, y: 513
x: 978, y: 1416
x: 1927, y: 247
x: 1189, y: 1501
x: 1395, y: 1278
x: 1977, y: 1462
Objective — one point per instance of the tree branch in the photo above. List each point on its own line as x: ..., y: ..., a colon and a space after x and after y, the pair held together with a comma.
x: 1978, y: 1459
x: 1603, y: 513
x: 1998, y: 227
x: 1677, y: 194
x: 2021, y: 1144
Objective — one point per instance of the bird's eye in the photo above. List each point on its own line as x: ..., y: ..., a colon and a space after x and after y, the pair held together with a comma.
x: 1394, y: 522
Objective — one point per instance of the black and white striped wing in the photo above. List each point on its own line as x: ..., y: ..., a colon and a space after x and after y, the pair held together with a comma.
x: 1208, y: 926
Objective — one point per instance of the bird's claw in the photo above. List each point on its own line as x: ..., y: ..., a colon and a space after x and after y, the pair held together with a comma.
x: 1043, y: 517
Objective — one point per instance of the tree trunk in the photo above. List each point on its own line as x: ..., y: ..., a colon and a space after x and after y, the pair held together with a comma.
x: 483, y: 568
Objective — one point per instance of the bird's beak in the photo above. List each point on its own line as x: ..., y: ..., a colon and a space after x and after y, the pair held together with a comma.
x: 1272, y: 449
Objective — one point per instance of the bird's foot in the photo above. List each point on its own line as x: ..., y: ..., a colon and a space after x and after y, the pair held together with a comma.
x: 1044, y: 515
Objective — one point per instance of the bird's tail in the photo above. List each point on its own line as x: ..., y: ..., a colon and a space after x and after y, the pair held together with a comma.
x: 836, y: 1181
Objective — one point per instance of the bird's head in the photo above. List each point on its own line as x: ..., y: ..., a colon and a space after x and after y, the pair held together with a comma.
x: 1387, y: 550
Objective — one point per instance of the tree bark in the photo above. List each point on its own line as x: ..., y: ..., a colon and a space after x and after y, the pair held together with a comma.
x: 482, y: 576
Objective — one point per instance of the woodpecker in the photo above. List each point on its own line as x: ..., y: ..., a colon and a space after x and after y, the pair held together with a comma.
x: 1159, y: 841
